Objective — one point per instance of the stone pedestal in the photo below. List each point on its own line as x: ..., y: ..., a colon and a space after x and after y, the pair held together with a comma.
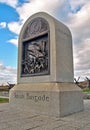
x: 51, y: 99
x: 45, y: 69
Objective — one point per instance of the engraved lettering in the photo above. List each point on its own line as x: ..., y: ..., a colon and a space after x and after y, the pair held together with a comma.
x: 19, y: 95
x: 35, y: 98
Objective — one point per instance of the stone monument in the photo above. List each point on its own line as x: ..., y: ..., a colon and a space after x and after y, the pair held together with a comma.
x: 45, y: 82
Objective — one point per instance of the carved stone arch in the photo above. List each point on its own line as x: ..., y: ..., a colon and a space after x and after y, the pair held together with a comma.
x: 36, y: 27
x: 35, y: 48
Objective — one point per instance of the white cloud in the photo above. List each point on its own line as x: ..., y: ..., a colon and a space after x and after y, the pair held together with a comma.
x: 7, y: 74
x: 15, y: 27
x: 33, y: 6
x: 81, y: 58
x: 14, y: 41
x: 2, y: 24
x: 80, y: 22
x: 12, y: 3
x: 75, y: 4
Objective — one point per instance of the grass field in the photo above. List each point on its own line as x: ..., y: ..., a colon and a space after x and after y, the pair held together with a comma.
x: 86, y: 90
x: 4, y: 100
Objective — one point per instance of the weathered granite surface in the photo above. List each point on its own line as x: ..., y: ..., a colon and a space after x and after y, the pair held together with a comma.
x: 53, y: 99
x: 13, y: 119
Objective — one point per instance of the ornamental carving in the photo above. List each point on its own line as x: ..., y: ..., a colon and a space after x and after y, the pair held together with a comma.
x: 35, y: 27
x: 35, y: 49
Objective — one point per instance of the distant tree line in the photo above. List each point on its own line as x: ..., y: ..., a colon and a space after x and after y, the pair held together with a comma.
x: 7, y: 87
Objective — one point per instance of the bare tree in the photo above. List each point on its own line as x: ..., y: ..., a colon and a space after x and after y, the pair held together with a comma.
x: 77, y: 81
x: 88, y: 82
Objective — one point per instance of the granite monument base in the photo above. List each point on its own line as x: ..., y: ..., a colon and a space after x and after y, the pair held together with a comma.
x: 51, y: 99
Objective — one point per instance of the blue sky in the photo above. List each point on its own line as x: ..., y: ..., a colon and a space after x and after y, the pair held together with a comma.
x: 8, y: 52
x: 13, y: 13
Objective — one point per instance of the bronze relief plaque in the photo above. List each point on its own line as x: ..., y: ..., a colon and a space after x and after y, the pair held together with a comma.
x: 35, y: 49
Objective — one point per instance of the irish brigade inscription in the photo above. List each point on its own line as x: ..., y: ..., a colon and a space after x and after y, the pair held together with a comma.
x: 35, y: 98
x: 45, y: 80
x: 35, y: 48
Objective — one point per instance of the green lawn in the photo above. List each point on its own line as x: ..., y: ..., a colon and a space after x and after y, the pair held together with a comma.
x: 86, y: 90
x: 4, y: 100
x: 5, y: 90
